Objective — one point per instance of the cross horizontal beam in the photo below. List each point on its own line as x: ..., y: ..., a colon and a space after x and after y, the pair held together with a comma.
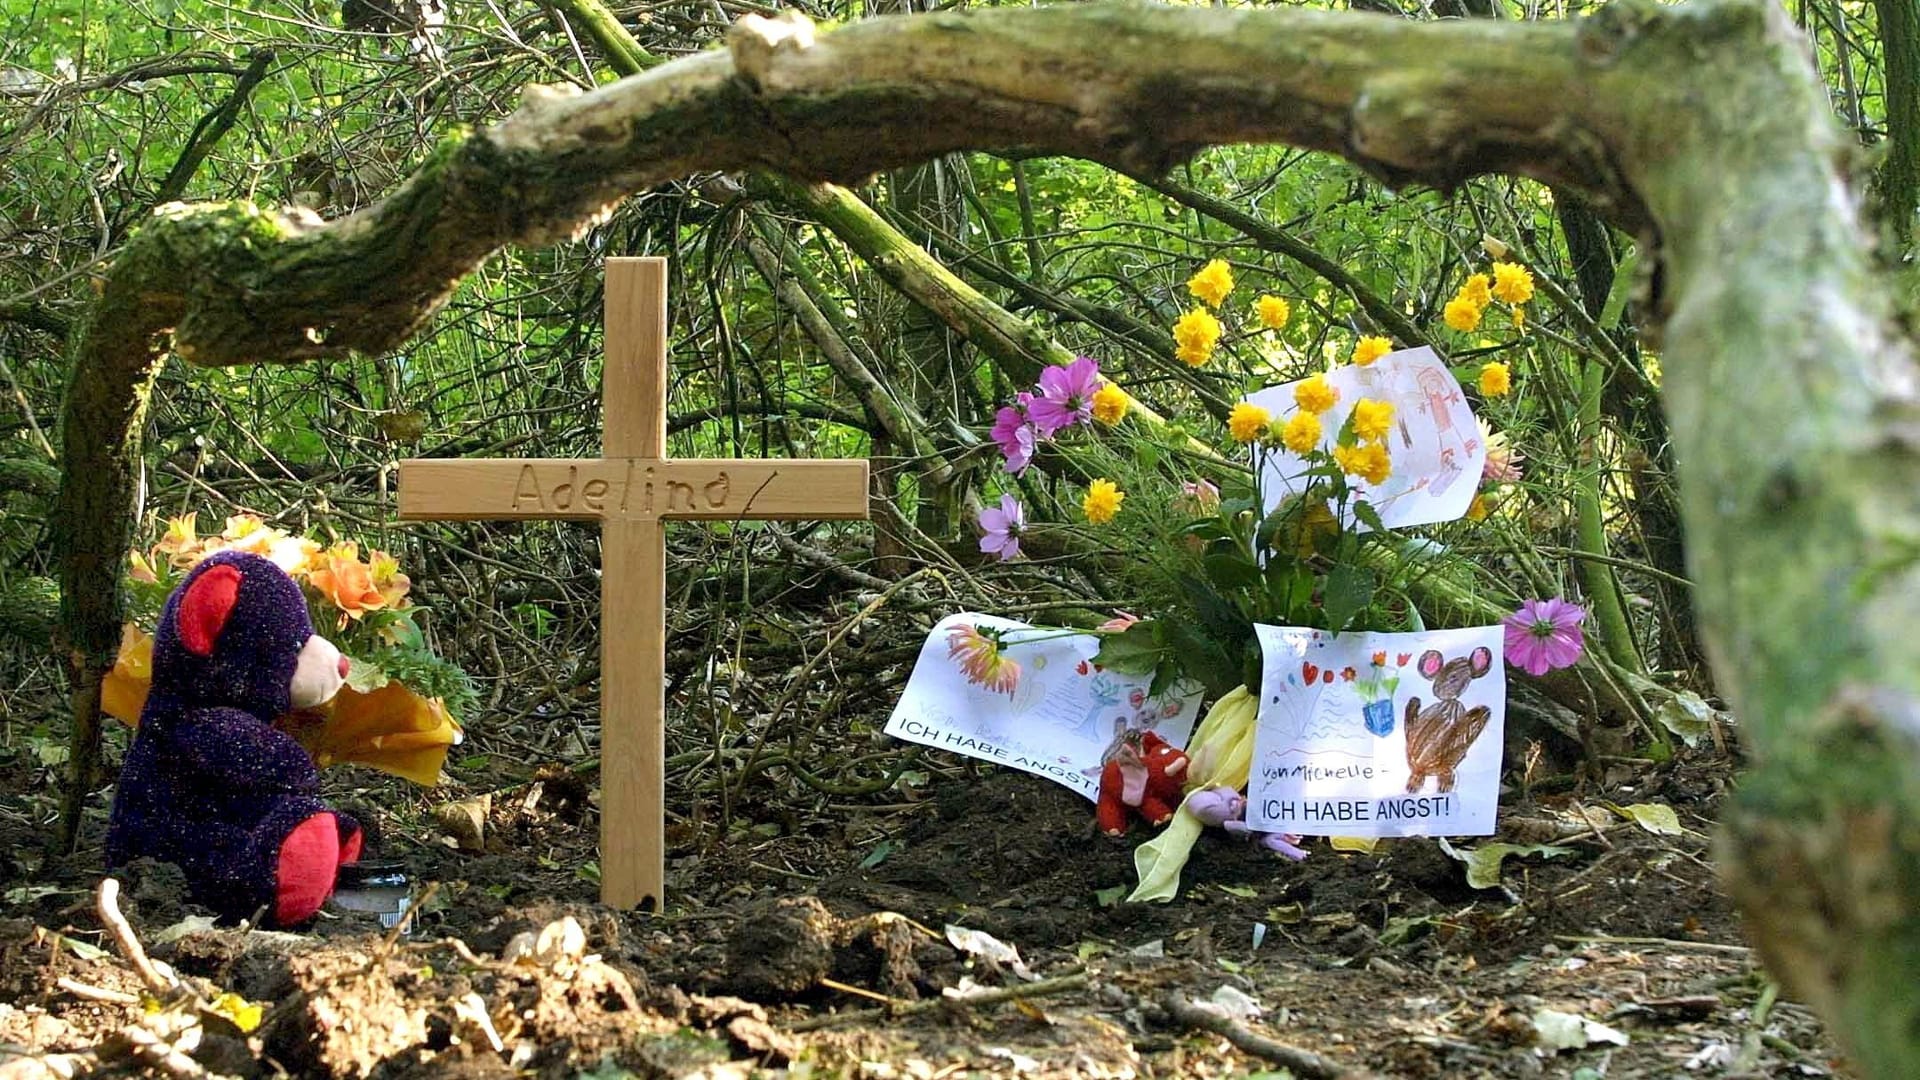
x: 632, y: 489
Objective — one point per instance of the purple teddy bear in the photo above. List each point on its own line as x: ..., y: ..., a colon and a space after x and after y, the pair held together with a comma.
x: 210, y: 784
x: 1226, y: 808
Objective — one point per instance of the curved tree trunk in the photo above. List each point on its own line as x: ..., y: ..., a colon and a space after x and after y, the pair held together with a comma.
x: 1790, y: 396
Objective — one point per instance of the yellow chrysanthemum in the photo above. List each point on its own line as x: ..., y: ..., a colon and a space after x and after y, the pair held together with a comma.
x: 1496, y: 379
x: 1519, y: 317
x: 1109, y: 404
x: 1103, y: 501
x: 1372, y: 419
x: 1248, y: 422
x: 1315, y: 394
x: 1512, y: 283
x: 1370, y: 462
x: 1478, y: 509
x: 1273, y: 312
x: 1301, y: 433
x: 1369, y: 349
x: 1212, y: 283
x: 1477, y: 290
x: 1196, y: 335
x: 1462, y: 314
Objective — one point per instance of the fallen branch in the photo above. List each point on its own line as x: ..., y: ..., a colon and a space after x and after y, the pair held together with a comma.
x: 1303, y: 1063
x: 1043, y: 988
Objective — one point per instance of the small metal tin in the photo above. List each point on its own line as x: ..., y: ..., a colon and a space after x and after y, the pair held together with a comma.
x: 380, y: 889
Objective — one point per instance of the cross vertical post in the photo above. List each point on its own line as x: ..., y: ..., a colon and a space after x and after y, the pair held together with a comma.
x: 633, y: 593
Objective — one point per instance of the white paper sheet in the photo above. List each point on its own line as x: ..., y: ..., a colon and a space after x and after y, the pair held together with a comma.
x: 1061, y: 719
x: 1435, y: 444
x: 1331, y: 749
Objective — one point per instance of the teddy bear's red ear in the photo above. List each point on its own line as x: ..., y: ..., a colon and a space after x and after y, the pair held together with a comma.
x: 204, y: 609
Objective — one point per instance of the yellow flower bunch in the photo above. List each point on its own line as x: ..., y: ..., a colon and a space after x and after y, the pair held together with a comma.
x: 1273, y: 312
x: 1301, y: 433
x: 1511, y: 284
x: 1496, y: 379
x: 1369, y: 349
x: 1102, y: 501
x: 1109, y: 404
x: 1195, y: 336
x: 1315, y: 394
x: 1248, y: 422
x: 1212, y: 282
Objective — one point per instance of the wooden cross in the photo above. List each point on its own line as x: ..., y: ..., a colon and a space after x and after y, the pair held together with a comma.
x: 630, y: 491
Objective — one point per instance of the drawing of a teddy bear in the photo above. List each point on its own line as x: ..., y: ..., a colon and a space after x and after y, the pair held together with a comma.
x: 1439, y: 735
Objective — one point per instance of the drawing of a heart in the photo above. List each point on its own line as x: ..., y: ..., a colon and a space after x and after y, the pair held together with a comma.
x: 1309, y: 671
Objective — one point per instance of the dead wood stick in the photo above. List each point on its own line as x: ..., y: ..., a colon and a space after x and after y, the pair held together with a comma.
x: 96, y: 993
x: 109, y: 905
x: 1303, y: 1063
x: 1043, y: 988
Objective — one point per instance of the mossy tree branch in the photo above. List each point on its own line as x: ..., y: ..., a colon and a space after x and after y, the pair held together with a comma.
x: 1796, y: 429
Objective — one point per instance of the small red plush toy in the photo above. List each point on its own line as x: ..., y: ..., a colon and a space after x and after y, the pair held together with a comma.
x: 1148, y: 774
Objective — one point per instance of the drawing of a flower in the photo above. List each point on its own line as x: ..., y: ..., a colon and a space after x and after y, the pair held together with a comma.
x: 981, y: 657
x: 1544, y: 635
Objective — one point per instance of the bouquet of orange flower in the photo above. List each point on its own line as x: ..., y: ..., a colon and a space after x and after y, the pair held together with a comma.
x: 399, y: 710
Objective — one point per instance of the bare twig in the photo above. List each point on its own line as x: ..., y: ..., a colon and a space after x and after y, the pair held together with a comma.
x: 109, y: 905
x: 1303, y: 1063
x: 1043, y: 988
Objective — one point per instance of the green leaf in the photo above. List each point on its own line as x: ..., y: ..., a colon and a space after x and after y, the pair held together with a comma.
x: 1134, y: 651
x: 1231, y: 571
x: 1348, y: 591
x: 1686, y: 715
x: 1368, y: 516
x: 1109, y: 897
x: 1657, y: 818
x: 1483, y: 862
x: 878, y: 855
x: 365, y: 677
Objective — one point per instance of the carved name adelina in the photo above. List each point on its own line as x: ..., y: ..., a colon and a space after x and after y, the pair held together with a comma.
x: 632, y: 489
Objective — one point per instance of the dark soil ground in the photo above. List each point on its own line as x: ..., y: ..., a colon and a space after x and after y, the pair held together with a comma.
x: 815, y: 945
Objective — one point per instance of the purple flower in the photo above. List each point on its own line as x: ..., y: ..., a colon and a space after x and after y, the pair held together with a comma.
x: 1544, y: 635
x: 1066, y: 396
x: 1016, y: 435
x: 1003, y: 528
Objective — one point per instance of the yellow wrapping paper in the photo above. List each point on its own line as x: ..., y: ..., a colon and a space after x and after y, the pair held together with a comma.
x: 1219, y: 755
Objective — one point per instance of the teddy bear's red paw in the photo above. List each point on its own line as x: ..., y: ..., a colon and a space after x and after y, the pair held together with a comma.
x: 309, y: 860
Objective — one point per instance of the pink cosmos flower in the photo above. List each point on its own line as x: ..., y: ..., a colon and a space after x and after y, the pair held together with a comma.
x: 1120, y: 621
x: 979, y: 657
x: 1016, y: 434
x: 1503, y: 461
x: 1544, y: 635
x: 1066, y: 396
x: 1197, y: 497
x: 1003, y: 528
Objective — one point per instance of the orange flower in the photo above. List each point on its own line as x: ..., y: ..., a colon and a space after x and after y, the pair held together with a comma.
x: 124, y: 691
x: 391, y: 729
x: 340, y: 576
